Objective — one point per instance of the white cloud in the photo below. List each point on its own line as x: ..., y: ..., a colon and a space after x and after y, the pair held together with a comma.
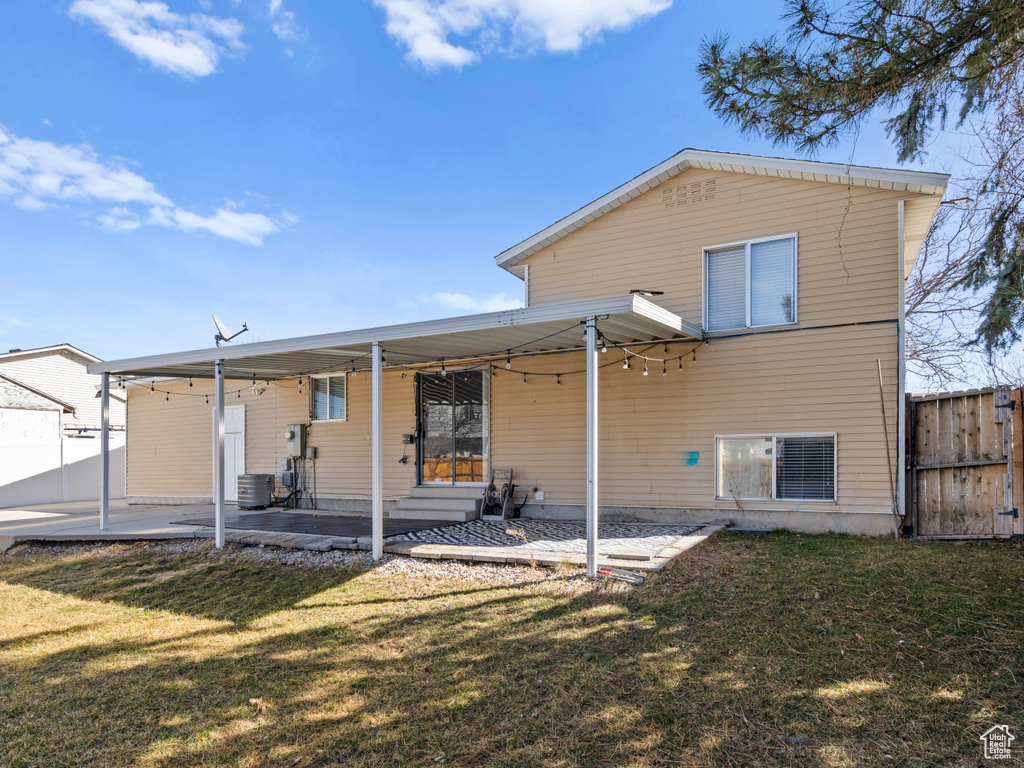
x: 37, y: 174
x: 283, y: 23
x: 119, y: 220
x: 425, y: 27
x: 190, y: 46
x: 248, y: 228
x: 461, y: 302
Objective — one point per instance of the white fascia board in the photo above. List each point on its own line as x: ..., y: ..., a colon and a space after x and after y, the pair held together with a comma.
x: 5, y: 356
x: 810, y: 170
x: 570, y: 310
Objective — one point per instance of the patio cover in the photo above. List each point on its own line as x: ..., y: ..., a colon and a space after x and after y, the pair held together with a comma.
x: 629, y: 319
x: 623, y: 319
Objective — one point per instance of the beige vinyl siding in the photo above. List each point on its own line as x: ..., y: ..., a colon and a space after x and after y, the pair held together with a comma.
x: 62, y: 374
x: 847, y: 254
x: 805, y: 381
x: 171, y: 447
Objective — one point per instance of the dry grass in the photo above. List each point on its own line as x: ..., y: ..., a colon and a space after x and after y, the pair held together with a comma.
x: 782, y: 650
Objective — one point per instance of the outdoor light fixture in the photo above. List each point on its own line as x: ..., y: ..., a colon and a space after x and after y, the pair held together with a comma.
x: 645, y: 366
x: 604, y: 344
x: 625, y: 361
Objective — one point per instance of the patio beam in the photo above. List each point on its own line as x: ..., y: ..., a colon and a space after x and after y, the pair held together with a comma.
x: 377, y: 452
x: 218, y: 456
x: 104, y: 451
x: 592, y: 368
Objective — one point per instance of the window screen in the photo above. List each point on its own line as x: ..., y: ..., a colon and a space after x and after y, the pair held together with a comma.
x: 771, y: 282
x: 770, y: 297
x: 329, y: 398
x: 727, y: 293
x: 805, y: 468
x: 745, y: 468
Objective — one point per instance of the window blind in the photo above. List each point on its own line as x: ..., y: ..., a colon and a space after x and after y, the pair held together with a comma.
x: 337, y: 397
x: 320, y: 398
x: 771, y: 282
x: 329, y: 401
x: 727, y: 278
x: 805, y: 468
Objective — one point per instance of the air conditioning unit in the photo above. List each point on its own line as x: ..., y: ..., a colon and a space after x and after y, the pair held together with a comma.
x: 255, y: 491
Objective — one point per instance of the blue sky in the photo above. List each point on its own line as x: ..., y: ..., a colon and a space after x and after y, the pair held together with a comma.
x: 315, y: 166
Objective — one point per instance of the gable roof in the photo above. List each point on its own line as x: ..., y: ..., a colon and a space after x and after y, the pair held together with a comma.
x: 14, y: 394
x: 16, y: 353
x: 914, y: 182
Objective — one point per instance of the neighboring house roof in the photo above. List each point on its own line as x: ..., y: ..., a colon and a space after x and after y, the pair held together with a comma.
x: 14, y: 394
x: 914, y: 182
x: 15, y: 353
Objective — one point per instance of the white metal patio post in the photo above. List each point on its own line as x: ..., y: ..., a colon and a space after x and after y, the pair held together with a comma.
x: 218, y: 456
x: 591, y: 447
x: 377, y: 452
x: 104, y: 450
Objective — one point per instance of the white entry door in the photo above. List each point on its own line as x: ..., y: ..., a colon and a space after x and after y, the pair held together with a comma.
x: 234, y: 448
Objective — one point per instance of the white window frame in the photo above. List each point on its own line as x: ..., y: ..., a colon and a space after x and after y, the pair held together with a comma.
x: 312, y: 396
x: 747, y: 243
x: 774, y: 438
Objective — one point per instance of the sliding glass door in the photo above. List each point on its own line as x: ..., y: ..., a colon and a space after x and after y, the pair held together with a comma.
x: 454, y: 427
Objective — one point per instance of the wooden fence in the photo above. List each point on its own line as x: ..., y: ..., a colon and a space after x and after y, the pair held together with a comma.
x: 964, y: 455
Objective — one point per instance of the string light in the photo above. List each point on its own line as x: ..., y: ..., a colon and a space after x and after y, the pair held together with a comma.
x: 443, y: 371
x: 558, y: 379
x: 508, y: 360
x: 625, y: 360
x: 680, y: 362
x: 604, y: 344
x: 694, y: 355
x: 645, y: 366
x: 207, y: 399
x: 190, y: 382
x: 151, y: 389
x: 383, y: 362
x: 664, y: 367
x: 300, y: 383
x: 353, y: 367
x: 168, y: 398
x: 524, y: 378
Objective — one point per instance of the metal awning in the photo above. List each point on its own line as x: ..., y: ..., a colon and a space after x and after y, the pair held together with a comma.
x: 627, y: 319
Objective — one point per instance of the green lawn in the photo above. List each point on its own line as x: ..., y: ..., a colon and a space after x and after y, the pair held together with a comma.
x: 781, y: 650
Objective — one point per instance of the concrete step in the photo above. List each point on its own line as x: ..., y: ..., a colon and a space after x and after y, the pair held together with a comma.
x: 412, y: 513
x: 444, y: 504
x: 447, y: 492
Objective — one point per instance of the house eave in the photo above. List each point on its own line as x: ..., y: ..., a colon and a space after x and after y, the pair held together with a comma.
x: 916, y: 182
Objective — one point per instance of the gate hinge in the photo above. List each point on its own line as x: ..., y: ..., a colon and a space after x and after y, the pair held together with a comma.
x: 1012, y: 405
x: 1012, y: 512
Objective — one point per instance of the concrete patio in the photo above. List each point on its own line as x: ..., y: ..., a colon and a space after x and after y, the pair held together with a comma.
x: 636, y: 546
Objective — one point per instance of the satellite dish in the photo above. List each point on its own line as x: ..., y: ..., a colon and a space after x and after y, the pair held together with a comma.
x: 224, y: 333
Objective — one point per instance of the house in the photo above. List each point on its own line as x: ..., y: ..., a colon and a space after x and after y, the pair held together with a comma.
x: 701, y: 343
x: 50, y: 428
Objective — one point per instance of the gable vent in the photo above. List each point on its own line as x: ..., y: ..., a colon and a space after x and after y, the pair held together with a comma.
x: 689, y: 194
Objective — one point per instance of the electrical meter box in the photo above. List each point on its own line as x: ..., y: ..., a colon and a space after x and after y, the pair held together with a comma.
x: 296, y: 437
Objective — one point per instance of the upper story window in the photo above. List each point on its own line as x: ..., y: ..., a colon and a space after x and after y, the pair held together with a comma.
x: 330, y: 397
x: 750, y: 284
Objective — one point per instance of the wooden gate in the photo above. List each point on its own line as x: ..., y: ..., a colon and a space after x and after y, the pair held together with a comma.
x: 960, y: 464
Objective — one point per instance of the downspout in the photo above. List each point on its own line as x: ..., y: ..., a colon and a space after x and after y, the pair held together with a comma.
x: 901, y: 450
